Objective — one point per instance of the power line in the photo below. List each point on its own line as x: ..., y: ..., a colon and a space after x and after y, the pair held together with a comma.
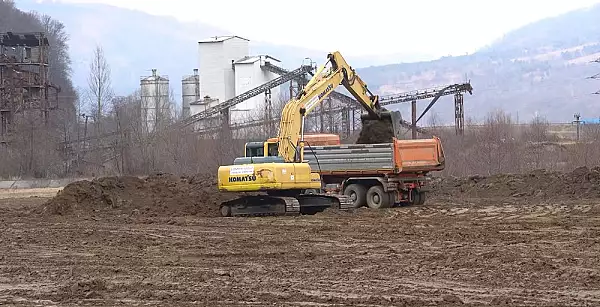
x: 596, y: 76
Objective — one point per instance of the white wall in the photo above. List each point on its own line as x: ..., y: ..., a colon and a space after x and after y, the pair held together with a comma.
x: 247, y: 77
x: 210, y: 67
x: 200, y: 107
x: 197, y: 108
x: 234, y: 49
x: 217, y: 78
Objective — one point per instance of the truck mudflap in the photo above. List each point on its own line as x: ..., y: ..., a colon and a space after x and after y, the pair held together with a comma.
x: 267, y: 205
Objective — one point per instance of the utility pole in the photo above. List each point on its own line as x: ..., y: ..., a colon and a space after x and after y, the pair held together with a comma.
x: 596, y: 76
x: 85, y: 128
x: 413, y: 107
x: 577, y: 116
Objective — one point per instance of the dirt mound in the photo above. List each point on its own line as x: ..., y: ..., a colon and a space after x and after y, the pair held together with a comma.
x: 157, y: 195
x: 376, y: 131
x: 581, y: 183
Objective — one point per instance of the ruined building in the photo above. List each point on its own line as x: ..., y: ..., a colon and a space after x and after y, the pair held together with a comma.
x: 24, y: 82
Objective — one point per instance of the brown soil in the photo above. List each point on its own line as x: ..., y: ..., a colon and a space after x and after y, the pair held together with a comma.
x: 467, y: 246
x: 168, y: 195
x: 376, y: 131
x: 539, y: 185
x: 164, y: 195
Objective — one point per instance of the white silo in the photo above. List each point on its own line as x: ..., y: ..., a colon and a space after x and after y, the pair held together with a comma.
x: 190, y: 92
x: 155, y: 106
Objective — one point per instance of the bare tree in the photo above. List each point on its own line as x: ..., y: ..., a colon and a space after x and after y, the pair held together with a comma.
x: 37, y: 146
x: 99, y: 83
x: 538, y: 130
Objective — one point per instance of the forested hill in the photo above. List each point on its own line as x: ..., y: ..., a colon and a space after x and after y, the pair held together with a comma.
x: 15, y: 20
x: 542, y: 69
x: 135, y: 42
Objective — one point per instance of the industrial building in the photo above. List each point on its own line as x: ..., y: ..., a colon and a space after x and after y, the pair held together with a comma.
x: 249, y: 73
x: 226, y: 70
x: 24, y: 82
x: 190, y: 92
x: 156, y: 105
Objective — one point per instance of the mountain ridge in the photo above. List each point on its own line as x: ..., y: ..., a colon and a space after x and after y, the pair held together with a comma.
x: 538, y: 69
x: 87, y: 23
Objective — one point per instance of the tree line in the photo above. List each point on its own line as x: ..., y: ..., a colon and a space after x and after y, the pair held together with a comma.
x: 96, y: 133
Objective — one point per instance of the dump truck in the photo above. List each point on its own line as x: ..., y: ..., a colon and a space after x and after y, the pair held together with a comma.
x: 374, y: 175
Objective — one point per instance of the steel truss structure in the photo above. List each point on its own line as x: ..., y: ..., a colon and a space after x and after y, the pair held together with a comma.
x: 24, y: 81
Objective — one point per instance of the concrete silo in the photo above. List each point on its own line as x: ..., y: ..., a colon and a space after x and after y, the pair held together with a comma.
x: 190, y: 92
x: 156, y: 107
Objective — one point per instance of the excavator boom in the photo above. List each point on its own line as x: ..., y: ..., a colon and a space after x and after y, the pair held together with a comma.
x: 316, y: 90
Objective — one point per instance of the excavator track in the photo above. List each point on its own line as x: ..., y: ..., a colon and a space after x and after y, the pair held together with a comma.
x: 268, y: 205
x: 314, y: 203
x: 261, y: 205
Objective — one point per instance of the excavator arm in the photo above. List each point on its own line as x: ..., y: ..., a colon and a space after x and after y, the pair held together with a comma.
x: 325, y: 81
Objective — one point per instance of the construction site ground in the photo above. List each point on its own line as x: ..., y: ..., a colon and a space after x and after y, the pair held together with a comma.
x: 507, y: 240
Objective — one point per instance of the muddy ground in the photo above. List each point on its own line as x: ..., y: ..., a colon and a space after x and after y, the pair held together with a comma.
x: 477, y: 242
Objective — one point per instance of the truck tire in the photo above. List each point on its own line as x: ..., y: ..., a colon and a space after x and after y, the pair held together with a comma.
x: 377, y: 198
x: 358, y: 194
x: 416, y: 197
x: 421, y: 199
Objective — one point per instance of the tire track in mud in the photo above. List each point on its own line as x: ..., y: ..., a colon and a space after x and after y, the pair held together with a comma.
x: 438, y: 254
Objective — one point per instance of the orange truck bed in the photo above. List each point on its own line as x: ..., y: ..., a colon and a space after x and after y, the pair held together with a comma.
x: 420, y: 155
x: 398, y: 157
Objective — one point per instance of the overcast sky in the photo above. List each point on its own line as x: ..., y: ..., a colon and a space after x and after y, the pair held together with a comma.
x: 435, y: 27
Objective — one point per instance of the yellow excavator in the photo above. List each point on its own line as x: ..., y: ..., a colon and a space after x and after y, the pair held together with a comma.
x: 276, y: 171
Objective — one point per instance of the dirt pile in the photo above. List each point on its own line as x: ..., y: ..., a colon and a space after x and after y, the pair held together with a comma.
x: 581, y: 183
x: 157, y: 195
x: 376, y: 131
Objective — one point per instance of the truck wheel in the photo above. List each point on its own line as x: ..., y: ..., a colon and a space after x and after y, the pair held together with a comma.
x: 416, y: 197
x: 421, y: 199
x: 377, y: 198
x: 357, y: 193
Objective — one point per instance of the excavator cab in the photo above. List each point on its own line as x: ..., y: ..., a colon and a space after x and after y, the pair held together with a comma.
x: 255, y: 149
x: 259, y: 152
x: 261, y: 149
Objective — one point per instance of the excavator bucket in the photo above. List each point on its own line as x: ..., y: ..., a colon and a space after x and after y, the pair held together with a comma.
x: 380, y: 129
x: 396, y: 119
